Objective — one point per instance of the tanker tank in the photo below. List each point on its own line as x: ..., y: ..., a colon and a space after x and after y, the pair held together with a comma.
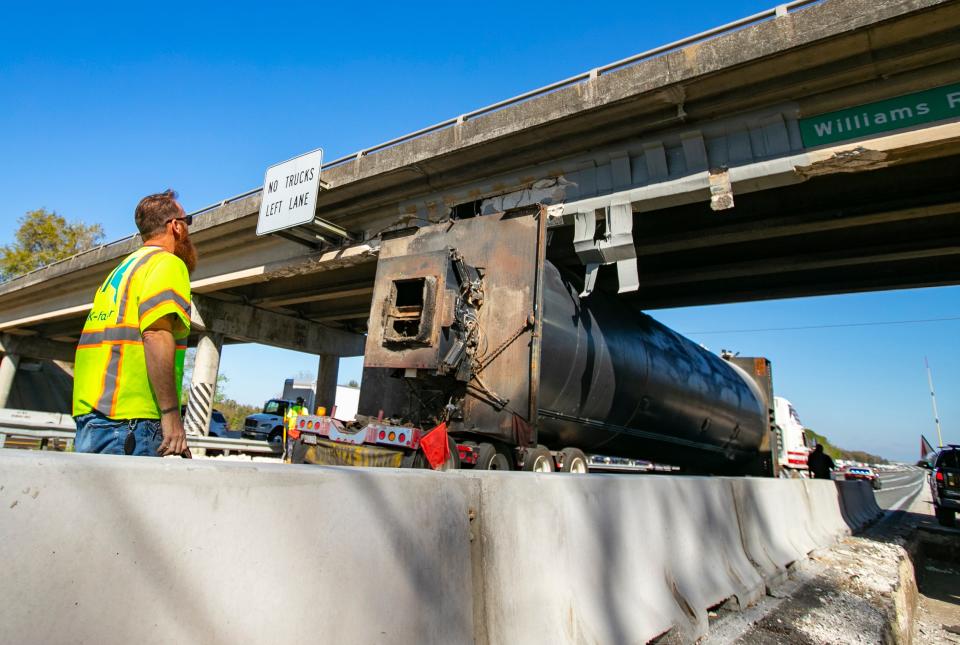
x: 473, y: 328
x: 620, y: 383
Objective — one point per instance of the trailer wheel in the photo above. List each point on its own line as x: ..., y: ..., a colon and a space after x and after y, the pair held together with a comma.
x: 573, y: 461
x: 453, y: 461
x: 946, y: 516
x: 538, y: 460
x: 489, y: 458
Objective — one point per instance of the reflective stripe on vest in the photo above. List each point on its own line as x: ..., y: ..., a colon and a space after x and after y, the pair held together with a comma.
x: 107, y: 402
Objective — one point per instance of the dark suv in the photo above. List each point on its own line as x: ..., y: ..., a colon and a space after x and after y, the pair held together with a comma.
x: 945, y: 484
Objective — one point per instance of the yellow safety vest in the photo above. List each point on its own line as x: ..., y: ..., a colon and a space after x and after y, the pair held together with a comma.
x: 110, y: 371
x: 293, y: 412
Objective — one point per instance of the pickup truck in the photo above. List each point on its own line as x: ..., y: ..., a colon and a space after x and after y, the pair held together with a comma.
x: 945, y: 484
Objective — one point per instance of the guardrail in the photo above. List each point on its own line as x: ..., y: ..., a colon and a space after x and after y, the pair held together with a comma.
x: 45, y: 426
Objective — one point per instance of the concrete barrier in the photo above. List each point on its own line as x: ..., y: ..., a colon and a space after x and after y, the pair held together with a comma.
x: 109, y: 549
x: 858, y: 503
x: 825, y: 510
x: 774, y: 518
x: 608, y: 558
x: 105, y: 549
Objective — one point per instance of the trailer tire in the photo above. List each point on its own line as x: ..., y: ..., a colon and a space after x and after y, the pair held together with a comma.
x: 489, y: 458
x: 538, y: 460
x: 574, y: 461
x: 946, y: 517
x: 453, y: 461
x: 417, y: 459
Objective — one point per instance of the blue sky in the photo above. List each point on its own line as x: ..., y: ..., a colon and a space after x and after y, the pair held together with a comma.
x: 101, y: 104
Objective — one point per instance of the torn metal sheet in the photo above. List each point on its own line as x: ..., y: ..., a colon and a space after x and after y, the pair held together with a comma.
x: 544, y: 191
x: 614, y: 247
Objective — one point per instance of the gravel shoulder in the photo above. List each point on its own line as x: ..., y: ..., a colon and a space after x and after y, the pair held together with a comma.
x: 864, y: 589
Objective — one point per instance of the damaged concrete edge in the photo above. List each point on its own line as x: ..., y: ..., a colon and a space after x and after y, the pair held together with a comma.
x: 875, y: 153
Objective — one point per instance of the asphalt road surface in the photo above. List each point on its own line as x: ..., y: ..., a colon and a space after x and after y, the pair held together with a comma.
x: 900, y: 488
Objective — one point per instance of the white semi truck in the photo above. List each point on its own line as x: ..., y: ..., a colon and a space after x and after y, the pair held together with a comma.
x: 793, y: 445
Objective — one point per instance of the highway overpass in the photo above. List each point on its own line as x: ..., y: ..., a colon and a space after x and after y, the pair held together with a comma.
x: 808, y: 150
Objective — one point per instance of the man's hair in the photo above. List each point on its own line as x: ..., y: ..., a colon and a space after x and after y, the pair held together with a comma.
x: 153, y: 211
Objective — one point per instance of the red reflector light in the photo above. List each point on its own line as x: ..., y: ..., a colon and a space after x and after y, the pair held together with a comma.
x: 402, y: 437
x: 939, y: 476
x: 302, y: 422
x: 382, y: 434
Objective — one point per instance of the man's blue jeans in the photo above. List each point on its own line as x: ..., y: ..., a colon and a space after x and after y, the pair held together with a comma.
x: 97, y: 433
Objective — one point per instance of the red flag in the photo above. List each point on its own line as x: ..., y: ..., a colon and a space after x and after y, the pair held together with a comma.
x: 925, y: 447
x: 435, y: 446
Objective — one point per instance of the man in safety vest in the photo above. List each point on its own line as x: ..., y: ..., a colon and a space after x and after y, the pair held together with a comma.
x: 290, y: 430
x: 129, y: 362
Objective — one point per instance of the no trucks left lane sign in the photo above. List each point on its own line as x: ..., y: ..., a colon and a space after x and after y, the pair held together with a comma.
x: 290, y: 193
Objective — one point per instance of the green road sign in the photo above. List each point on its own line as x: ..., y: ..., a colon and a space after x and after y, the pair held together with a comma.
x: 891, y: 114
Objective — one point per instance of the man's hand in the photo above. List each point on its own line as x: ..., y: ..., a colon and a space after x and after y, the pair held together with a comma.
x: 174, y: 438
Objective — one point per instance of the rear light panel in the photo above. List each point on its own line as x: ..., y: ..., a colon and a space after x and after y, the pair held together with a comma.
x: 939, y: 476
x: 468, y: 454
x: 329, y: 428
x: 400, y: 436
x: 374, y: 433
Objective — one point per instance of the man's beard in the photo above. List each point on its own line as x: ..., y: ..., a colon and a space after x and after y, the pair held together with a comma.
x: 186, y: 251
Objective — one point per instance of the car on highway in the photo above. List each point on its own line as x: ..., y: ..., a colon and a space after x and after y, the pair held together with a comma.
x: 218, y: 424
x: 945, y: 484
x: 862, y: 473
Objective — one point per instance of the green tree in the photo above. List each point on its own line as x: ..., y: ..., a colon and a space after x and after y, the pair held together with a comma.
x: 42, y: 238
x: 236, y: 413
x: 840, y: 453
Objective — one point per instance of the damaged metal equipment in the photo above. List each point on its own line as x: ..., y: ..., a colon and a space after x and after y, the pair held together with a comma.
x: 614, y: 246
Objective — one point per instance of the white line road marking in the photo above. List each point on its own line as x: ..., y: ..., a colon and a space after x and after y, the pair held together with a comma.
x: 910, y: 485
x: 906, y: 498
x: 897, y: 479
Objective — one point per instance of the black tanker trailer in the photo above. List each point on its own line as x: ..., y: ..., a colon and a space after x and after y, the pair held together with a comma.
x: 481, y: 353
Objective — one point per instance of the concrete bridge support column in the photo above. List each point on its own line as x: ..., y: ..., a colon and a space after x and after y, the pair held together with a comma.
x: 203, y: 385
x: 327, y: 371
x: 8, y: 370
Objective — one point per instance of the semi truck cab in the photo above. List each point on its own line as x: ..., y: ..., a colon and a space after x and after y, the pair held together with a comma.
x: 793, y: 440
x: 268, y: 424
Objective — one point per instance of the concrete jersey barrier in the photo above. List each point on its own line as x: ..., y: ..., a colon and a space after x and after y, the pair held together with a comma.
x: 858, y: 503
x: 115, y: 550
x: 105, y: 549
x: 608, y: 558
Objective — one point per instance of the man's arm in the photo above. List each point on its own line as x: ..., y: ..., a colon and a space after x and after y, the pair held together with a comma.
x: 159, y: 349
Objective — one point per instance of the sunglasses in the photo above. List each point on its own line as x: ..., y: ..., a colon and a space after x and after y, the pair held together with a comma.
x: 186, y: 218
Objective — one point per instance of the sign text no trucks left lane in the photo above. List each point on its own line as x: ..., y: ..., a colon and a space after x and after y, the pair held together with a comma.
x: 290, y: 193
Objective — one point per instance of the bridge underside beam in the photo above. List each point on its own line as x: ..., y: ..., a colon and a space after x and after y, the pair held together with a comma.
x: 254, y: 325
x: 37, y: 347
